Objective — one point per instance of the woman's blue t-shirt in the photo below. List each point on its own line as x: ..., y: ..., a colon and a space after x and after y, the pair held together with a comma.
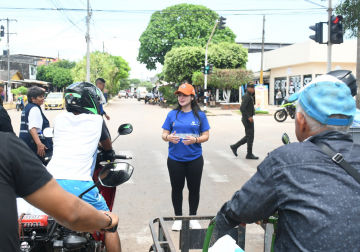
x: 186, y: 124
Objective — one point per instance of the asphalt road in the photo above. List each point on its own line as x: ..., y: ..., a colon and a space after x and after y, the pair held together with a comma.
x: 148, y: 193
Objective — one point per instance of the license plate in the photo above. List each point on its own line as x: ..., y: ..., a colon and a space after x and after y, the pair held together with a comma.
x: 53, y: 105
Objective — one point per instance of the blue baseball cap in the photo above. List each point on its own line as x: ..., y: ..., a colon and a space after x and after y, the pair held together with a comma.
x: 326, y: 96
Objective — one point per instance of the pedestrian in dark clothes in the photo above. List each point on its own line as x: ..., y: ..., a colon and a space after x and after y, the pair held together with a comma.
x: 247, y: 111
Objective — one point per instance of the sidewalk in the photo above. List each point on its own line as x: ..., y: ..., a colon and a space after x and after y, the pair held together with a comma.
x: 217, y: 111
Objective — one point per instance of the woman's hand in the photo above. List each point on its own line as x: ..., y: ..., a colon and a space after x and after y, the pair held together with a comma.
x: 41, y: 149
x: 189, y: 140
x: 172, y: 138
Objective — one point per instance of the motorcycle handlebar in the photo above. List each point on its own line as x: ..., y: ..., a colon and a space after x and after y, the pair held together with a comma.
x: 122, y: 157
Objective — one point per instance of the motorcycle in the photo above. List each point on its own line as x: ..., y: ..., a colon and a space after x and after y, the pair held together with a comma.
x: 40, y: 232
x: 163, y: 103
x: 288, y: 108
x: 19, y: 105
x: 126, y: 95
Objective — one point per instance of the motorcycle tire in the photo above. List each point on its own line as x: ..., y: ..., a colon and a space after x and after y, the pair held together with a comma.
x: 17, y: 108
x: 280, y: 115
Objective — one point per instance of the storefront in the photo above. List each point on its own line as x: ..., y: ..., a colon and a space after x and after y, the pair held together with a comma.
x: 294, y: 66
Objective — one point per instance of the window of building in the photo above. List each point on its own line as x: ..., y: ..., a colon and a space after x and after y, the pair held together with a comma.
x: 295, y: 84
x: 280, y: 84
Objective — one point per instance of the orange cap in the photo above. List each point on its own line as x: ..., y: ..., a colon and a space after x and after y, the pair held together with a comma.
x: 186, y: 89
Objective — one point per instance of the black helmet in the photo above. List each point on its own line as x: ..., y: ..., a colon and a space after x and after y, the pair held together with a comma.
x: 82, y: 97
x: 347, y: 77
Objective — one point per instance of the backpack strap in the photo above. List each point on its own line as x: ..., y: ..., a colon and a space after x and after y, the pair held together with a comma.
x: 339, y: 159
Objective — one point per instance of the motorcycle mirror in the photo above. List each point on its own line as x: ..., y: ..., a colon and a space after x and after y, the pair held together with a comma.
x: 125, y: 129
x: 285, y: 138
x: 48, y: 132
x: 115, y: 174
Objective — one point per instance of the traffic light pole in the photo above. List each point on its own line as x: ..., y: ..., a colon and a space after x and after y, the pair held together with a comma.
x: 8, y: 86
x: 206, y: 62
x: 329, y: 38
x: 88, y: 43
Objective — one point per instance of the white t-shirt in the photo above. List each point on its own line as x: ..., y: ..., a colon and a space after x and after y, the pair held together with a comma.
x: 35, y: 119
x: 76, y: 138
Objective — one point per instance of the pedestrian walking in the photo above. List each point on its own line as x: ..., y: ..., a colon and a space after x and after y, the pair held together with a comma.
x: 278, y: 97
x: 185, y: 128
x: 100, y: 83
x: 33, y: 122
x: 247, y: 111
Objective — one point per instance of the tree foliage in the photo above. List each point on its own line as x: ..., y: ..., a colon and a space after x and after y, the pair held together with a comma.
x: 64, y: 64
x: 175, y: 26
x: 182, y: 62
x: 147, y: 84
x: 60, y: 77
x: 111, y: 68
x: 22, y: 90
x: 224, y: 78
x: 169, y: 94
x: 350, y: 10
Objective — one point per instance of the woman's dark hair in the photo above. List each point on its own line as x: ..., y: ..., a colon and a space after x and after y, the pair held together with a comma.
x: 34, y: 92
x: 194, y: 107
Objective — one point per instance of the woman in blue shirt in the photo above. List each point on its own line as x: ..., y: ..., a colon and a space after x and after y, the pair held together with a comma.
x: 185, y: 128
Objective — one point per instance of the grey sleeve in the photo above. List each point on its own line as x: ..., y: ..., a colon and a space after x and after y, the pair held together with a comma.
x: 257, y: 200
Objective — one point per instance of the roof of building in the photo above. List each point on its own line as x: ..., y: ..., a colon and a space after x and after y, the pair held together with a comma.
x: 255, y: 47
x: 4, y: 74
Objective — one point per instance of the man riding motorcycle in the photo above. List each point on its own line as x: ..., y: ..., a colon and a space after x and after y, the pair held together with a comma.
x: 77, y: 133
x: 316, y: 199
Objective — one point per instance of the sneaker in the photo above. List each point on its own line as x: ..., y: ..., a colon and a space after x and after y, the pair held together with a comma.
x: 194, y: 224
x: 177, y: 225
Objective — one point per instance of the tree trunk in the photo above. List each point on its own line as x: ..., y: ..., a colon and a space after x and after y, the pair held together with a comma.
x: 358, y: 69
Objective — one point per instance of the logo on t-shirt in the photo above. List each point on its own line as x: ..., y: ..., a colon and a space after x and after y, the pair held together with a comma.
x: 193, y: 123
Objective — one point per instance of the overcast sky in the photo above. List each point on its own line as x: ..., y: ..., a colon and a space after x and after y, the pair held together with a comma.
x: 49, y: 32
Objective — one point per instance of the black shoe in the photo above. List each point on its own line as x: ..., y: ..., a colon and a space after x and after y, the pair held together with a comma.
x: 251, y: 156
x: 234, y: 149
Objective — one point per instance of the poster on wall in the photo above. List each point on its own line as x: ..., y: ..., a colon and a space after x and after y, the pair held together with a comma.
x: 261, y: 98
x: 280, y: 84
x: 295, y: 84
x: 307, y: 79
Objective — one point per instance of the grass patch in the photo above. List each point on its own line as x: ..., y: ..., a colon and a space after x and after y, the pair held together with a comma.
x: 256, y: 112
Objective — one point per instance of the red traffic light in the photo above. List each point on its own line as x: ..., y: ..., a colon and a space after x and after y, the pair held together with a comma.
x: 337, y: 19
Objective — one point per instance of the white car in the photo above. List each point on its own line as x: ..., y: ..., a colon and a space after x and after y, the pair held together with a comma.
x: 122, y: 93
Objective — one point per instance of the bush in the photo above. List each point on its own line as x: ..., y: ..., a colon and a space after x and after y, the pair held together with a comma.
x: 23, y: 90
x: 15, y: 91
x: 169, y: 94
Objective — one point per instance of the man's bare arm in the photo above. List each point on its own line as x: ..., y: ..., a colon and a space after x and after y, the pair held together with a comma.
x: 69, y: 210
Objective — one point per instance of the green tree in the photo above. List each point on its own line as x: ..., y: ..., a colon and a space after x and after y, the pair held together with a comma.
x: 350, y: 10
x: 147, y: 84
x: 64, y: 64
x: 63, y: 77
x: 46, y: 73
x: 23, y: 90
x: 182, y: 62
x: 134, y: 81
x: 175, y: 26
x: 124, y: 84
x: 104, y: 65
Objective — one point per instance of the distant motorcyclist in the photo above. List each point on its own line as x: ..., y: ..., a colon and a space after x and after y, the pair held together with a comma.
x: 100, y: 83
x: 77, y: 133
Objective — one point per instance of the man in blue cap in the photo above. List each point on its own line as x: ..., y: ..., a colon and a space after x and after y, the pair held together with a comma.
x: 316, y: 199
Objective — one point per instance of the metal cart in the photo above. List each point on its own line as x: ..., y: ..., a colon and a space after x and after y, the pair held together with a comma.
x: 189, y: 238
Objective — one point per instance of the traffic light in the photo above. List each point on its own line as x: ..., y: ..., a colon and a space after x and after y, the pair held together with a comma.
x: 210, y: 68
x: 2, y: 29
x: 336, y: 30
x: 203, y: 69
x: 318, y: 37
x: 222, y: 23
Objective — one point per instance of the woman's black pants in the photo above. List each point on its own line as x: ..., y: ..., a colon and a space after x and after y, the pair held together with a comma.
x: 191, y: 171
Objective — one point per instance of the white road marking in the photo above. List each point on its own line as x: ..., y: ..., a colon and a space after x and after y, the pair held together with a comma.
x: 161, y: 160
x: 237, y: 162
x: 213, y: 174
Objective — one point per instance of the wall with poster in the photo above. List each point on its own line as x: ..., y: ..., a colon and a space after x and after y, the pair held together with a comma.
x: 280, y: 83
x: 294, y: 84
x: 261, y: 98
x: 307, y: 79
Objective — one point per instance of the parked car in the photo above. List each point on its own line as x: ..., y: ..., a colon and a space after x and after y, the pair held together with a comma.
x: 122, y: 93
x: 141, y: 93
x: 55, y: 100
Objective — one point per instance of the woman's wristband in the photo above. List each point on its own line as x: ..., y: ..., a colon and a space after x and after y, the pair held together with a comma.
x: 110, y: 223
x: 196, y: 140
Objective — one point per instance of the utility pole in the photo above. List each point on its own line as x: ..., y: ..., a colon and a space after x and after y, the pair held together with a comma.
x: 328, y: 43
x: 88, y: 42
x: 8, y: 86
x: 206, y: 62
x: 262, y: 52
